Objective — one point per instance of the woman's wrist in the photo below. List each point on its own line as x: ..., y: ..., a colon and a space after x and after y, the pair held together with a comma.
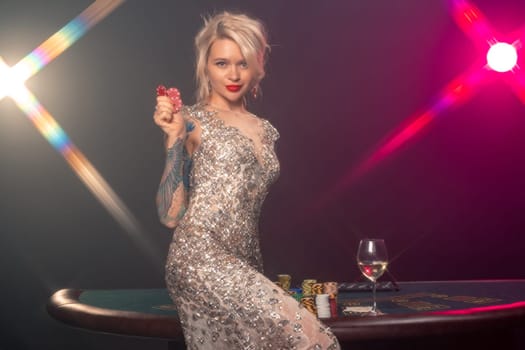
x: 170, y: 140
x: 175, y: 148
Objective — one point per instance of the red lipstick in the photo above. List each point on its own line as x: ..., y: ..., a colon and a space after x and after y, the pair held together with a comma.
x: 233, y: 88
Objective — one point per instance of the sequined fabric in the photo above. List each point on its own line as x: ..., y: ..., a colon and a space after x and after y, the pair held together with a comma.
x: 214, y: 267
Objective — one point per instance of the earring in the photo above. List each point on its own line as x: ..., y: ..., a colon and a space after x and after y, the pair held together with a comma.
x: 255, y: 91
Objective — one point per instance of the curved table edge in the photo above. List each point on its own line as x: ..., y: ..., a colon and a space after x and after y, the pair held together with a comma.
x: 428, y: 323
x: 65, y: 306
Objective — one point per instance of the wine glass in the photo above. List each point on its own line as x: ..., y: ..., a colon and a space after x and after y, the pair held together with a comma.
x: 372, y: 260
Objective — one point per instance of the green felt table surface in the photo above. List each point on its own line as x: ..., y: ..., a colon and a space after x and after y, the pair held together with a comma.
x: 416, y: 310
x: 412, y: 297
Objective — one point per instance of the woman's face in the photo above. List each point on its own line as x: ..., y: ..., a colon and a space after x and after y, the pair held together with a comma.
x: 229, y: 73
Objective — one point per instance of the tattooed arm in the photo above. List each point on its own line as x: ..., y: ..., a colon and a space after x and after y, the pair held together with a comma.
x: 172, y: 192
x: 173, y: 189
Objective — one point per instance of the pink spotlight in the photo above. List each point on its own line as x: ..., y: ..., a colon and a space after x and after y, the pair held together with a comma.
x: 502, y: 57
x: 474, y: 24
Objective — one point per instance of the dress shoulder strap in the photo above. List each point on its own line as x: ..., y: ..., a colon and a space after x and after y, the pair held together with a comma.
x: 196, y: 112
x: 271, y: 133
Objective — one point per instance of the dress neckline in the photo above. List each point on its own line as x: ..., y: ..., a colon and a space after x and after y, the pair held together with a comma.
x: 258, y: 154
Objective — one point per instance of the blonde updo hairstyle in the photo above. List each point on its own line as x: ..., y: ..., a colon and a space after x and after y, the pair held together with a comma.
x: 246, y: 32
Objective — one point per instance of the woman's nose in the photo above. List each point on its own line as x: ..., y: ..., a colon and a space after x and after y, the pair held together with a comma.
x: 234, y: 73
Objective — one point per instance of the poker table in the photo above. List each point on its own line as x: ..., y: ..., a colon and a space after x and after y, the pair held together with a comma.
x: 423, y: 313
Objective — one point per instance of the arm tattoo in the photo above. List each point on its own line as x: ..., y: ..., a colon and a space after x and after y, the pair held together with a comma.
x: 186, y: 168
x: 189, y: 126
x: 171, y: 180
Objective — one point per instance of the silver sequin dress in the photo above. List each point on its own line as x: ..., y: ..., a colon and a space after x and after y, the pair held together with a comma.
x: 214, y: 266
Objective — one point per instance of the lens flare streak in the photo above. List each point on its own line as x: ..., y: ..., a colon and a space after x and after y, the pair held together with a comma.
x: 472, y: 22
x: 51, y: 130
x: 517, y: 83
x: 56, y: 136
x: 64, y: 38
x: 457, y: 92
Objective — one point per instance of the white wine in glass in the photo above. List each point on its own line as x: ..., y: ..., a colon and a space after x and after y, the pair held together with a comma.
x: 372, y: 260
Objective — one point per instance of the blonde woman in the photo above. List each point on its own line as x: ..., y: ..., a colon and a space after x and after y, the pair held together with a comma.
x: 220, y: 162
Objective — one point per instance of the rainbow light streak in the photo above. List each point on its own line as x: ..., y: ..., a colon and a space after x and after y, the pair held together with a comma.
x: 473, y: 23
x: 56, y: 136
x: 64, y: 38
x: 52, y: 131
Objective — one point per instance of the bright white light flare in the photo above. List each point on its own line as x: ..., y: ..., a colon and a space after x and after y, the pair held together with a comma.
x: 502, y: 57
x: 10, y: 83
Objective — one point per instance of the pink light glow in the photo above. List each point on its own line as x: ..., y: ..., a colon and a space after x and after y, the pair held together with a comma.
x: 455, y: 93
x: 517, y: 83
x: 475, y: 310
x: 474, y: 24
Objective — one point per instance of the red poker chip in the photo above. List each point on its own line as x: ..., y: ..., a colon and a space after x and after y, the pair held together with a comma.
x: 161, y: 90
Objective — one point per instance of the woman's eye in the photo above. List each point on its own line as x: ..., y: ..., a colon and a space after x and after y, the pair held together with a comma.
x: 220, y: 64
x: 244, y: 64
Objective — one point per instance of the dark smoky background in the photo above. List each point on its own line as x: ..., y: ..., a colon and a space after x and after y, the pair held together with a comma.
x: 342, y: 76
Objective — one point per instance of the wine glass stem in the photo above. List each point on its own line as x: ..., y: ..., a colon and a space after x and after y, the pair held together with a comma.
x: 374, y: 306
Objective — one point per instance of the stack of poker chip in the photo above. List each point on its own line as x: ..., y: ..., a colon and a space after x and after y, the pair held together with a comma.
x: 307, y: 287
x: 285, y: 281
x: 333, y: 307
x: 307, y: 300
x: 323, y: 305
x: 309, y: 304
x: 320, y: 298
x: 331, y: 289
x: 317, y: 288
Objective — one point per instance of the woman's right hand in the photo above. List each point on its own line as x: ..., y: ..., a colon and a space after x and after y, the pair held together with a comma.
x: 169, y: 118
